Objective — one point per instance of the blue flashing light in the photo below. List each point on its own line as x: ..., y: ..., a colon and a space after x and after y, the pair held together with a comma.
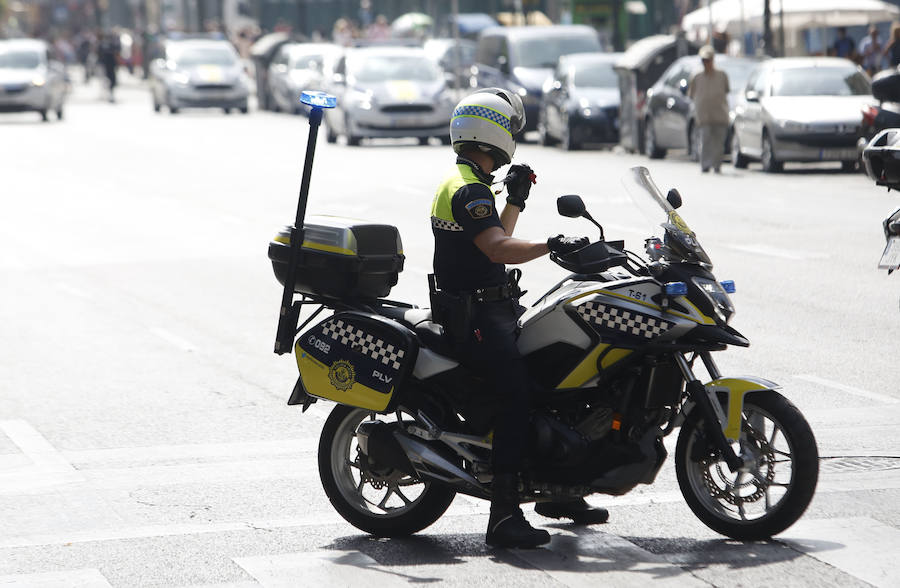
x: 318, y: 99
x: 676, y: 289
x: 728, y: 286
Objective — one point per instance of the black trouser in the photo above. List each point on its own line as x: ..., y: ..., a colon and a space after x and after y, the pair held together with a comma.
x: 491, y: 351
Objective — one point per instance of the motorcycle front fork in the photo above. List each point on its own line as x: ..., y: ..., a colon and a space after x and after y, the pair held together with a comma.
x: 709, y: 407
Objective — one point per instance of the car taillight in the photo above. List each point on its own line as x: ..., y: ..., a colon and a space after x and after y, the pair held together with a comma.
x: 868, y: 115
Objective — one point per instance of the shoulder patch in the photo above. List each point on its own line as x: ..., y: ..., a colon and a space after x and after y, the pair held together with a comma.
x: 481, y: 208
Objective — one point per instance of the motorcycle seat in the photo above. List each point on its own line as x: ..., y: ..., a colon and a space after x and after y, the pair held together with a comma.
x: 430, y: 333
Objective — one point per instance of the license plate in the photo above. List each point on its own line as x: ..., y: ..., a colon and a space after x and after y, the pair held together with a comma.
x: 407, y: 121
x: 838, y: 154
x: 890, y: 259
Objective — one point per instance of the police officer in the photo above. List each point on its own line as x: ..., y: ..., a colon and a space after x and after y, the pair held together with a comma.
x: 473, y: 241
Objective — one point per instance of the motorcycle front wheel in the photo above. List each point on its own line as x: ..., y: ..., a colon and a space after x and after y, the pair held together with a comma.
x: 777, y: 484
x: 385, y: 503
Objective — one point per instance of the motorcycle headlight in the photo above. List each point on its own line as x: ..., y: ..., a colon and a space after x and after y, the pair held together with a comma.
x: 717, y: 296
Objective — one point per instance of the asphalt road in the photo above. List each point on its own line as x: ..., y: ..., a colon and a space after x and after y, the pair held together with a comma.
x: 144, y: 435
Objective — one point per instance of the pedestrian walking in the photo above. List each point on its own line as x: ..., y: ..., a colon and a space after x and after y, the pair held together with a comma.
x: 871, y: 51
x: 892, y: 51
x: 108, y: 57
x: 709, y: 91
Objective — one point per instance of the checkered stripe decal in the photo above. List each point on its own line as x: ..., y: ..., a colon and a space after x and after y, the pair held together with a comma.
x: 369, y: 345
x: 483, y: 112
x: 445, y: 225
x: 626, y: 321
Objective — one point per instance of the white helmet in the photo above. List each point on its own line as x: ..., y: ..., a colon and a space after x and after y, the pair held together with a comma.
x: 488, y: 120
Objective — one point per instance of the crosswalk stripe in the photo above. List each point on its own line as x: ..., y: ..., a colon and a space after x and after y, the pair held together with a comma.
x: 860, y: 546
x: 318, y: 568
x: 576, y: 561
x: 83, y: 578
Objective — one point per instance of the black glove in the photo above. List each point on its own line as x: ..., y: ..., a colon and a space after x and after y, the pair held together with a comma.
x: 518, y: 184
x: 562, y: 245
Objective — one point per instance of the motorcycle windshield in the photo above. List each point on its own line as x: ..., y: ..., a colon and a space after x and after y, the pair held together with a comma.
x: 679, y: 243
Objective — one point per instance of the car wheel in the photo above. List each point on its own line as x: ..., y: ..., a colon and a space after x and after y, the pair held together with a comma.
x: 650, y: 147
x: 173, y: 110
x: 848, y: 166
x: 567, y: 142
x: 739, y: 160
x: 352, y: 140
x: 445, y: 139
x: 156, y: 106
x: 227, y: 110
x: 43, y: 114
x: 330, y: 135
x: 244, y: 109
x: 695, y: 142
x: 769, y: 163
x: 423, y: 140
x: 545, y: 138
x: 59, y: 112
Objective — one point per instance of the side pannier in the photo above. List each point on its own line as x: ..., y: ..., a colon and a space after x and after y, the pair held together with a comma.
x: 358, y: 359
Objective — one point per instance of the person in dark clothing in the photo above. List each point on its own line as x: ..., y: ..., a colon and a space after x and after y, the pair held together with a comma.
x: 892, y: 51
x: 843, y: 46
x: 473, y: 241
x: 108, y: 57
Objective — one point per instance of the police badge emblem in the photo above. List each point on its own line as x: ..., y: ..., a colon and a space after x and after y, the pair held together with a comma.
x: 342, y: 375
x: 481, y: 208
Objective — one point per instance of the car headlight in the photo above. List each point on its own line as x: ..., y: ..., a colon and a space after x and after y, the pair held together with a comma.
x: 717, y: 296
x: 181, y: 78
x: 364, y: 99
x: 791, y: 126
x: 38, y: 81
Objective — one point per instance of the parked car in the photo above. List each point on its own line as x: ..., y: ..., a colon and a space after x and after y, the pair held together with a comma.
x: 454, y: 57
x: 638, y: 69
x: 388, y: 92
x: 521, y: 58
x: 199, y: 73
x: 580, y: 102
x: 295, y: 68
x: 669, y: 115
x: 30, y: 79
x: 800, y: 109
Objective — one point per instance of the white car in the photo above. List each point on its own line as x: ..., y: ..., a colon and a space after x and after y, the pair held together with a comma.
x: 295, y: 68
x: 199, y: 73
x: 30, y: 79
x: 388, y: 92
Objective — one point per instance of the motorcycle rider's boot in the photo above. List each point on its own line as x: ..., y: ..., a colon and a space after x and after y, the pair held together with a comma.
x: 578, y: 510
x: 507, y: 526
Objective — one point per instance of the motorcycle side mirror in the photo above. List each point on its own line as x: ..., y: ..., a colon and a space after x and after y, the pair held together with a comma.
x: 570, y: 205
x: 674, y: 198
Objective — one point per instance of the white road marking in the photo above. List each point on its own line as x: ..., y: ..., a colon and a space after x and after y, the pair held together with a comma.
x: 34, y: 445
x: 319, y: 568
x: 175, y: 340
x: 769, y: 251
x: 849, y: 389
x: 84, y: 578
x: 864, y: 548
x: 577, y: 561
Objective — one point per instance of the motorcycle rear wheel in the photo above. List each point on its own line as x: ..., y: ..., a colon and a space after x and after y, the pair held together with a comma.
x: 385, y: 503
x: 774, y: 493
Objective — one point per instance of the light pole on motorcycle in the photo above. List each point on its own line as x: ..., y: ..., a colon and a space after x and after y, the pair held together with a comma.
x: 289, y: 313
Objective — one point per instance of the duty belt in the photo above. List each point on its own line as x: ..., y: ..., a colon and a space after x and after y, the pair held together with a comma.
x: 492, y: 294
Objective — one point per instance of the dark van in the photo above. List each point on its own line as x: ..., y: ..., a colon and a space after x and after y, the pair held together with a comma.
x: 520, y: 59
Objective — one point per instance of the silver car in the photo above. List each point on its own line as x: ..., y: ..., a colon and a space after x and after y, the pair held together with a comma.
x: 30, y: 80
x: 388, y: 92
x: 295, y: 68
x: 199, y: 73
x: 800, y: 109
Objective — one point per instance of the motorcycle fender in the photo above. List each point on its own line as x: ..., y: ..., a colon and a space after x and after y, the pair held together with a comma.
x: 735, y: 389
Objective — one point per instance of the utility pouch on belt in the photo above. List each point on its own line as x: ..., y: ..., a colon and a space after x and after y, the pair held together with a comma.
x: 451, y: 311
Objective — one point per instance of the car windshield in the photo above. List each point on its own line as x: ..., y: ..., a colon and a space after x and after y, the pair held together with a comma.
x: 195, y: 56
x: 679, y: 242
x: 19, y: 59
x: 599, y: 75
x: 381, y: 68
x: 306, y: 62
x: 737, y: 71
x: 546, y: 51
x: 820, y: 81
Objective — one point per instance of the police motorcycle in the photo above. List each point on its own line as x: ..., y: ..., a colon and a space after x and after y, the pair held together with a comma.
x: 881, y: 158
x: 613, y: 349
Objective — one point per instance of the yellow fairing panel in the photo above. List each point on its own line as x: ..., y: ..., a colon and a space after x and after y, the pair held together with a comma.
x: 320, y: 380
x: 737, y: 388
x: 587, y: 369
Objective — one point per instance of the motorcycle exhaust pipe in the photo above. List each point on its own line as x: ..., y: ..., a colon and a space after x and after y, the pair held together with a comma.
x: 386, y: 445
